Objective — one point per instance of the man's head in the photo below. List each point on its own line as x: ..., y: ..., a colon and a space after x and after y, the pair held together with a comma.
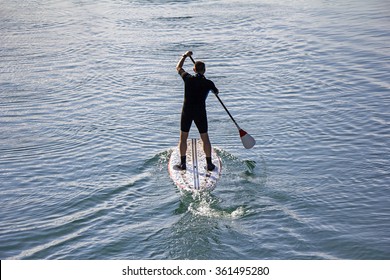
x: 200, y: 67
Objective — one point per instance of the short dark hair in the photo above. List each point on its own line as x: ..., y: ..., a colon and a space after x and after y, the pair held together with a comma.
x: 200, y: 66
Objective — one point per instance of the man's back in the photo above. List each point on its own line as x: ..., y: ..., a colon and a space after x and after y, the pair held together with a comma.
x: 196, y: 90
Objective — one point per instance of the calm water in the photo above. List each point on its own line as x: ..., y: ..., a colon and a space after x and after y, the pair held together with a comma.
x: 89, y: 113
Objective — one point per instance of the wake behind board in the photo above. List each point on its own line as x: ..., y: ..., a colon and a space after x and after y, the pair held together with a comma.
x: 196, y: 177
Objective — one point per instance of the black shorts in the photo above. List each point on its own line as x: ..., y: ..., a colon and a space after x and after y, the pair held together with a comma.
x: 200, y: 119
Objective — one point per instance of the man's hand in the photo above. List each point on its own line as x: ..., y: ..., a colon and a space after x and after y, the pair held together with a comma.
x: 188, y: 53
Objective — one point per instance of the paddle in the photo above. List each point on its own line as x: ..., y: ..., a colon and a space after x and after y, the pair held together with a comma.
x: 247, y: 140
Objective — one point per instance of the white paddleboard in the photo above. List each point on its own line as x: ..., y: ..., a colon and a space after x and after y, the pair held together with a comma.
x: 196, y: 177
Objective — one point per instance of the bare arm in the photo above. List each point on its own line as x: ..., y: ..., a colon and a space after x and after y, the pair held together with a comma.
x: 179, y: 65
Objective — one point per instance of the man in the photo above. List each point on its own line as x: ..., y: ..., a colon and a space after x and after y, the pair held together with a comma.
x: 196, y: 89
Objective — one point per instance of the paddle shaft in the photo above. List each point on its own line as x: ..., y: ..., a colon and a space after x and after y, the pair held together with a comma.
x: 220, y: 101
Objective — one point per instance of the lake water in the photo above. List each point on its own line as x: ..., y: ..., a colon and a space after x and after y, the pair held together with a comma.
x: 89, y: 113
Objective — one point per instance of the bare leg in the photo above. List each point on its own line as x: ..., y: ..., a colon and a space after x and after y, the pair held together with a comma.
x: 206, y: 144
x: 183, y: 143
x: 207, y: 150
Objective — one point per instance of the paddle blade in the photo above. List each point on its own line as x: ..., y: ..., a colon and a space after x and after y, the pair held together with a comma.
x: 247, y: 140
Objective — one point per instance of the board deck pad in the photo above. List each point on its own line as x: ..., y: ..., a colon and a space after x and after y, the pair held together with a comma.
x: 196, y: 177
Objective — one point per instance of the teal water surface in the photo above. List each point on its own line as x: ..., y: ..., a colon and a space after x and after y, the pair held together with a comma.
x: 89, y: 113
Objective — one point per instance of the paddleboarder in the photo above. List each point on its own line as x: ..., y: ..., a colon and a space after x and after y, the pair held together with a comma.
x: 196, y: 89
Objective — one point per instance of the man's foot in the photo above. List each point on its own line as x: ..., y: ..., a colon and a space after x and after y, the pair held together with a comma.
x: 210, y: 167
x: 181, y: 166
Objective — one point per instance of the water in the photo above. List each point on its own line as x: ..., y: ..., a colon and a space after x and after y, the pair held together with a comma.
x: 89, y: 113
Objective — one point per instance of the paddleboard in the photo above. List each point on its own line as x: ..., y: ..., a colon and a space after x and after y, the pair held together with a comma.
x: 196, y: 177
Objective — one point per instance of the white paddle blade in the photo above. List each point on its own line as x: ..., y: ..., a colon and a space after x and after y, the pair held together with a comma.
x: 247, y: 140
